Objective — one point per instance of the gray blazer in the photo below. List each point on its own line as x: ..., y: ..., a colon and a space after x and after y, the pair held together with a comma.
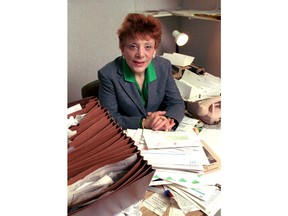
x: 123, y: 100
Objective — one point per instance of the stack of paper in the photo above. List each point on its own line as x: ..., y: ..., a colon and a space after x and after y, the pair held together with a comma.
x: 182, y: 162
x: 195, y: 87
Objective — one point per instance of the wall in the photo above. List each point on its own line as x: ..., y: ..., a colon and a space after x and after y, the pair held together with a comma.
x: 205, y: 36
x: 93, y: 42
x: 92, y: 39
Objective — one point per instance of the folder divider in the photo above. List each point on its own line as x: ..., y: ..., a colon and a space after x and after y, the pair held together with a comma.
x: 100, y: 141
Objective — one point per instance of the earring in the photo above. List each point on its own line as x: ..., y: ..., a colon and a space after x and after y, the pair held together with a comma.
x: 123, y: 56
x: 154, y: 55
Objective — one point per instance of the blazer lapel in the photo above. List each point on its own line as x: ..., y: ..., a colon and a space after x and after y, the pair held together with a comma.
x: 152, y: 93
x: 133, y: 94
x: 153, y: 87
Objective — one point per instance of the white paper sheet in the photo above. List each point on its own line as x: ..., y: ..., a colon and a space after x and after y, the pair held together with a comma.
x: 170, y: 139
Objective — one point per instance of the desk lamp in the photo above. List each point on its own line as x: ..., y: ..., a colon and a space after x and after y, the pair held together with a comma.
x: 180, y: 39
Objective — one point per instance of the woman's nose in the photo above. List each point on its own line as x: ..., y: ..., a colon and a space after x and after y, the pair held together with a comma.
x: 140, y: 52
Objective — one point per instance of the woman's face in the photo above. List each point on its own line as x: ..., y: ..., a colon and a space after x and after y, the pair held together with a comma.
x: 138, y: 53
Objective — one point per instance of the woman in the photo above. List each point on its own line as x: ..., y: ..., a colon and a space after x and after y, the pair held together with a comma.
x: 137, y: 88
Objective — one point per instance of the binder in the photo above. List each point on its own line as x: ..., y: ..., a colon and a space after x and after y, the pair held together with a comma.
x: 100, y: 142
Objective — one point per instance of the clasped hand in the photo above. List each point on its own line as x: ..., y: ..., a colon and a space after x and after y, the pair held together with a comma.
x: 158, y: 121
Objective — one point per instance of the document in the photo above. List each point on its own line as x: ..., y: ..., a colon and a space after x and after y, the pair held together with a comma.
x: 137, y: 136
x: 179, y: 59
x: 184, y: 204
x: 173, y: 211
x: 179, y: 177
x: 157, y: 203
x: 202, y: 193
x: 193, y: 156
x: 171, y: 139
x: 209, y: 207
x: 73, y: 109
x: 187, y: 124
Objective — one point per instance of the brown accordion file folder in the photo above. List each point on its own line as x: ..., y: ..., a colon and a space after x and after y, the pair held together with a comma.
x: 106, y: 172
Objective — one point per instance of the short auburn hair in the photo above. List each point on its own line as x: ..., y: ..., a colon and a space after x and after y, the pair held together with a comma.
x: 139, y: 25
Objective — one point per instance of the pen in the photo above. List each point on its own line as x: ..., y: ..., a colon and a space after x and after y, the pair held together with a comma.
x: 156, y: 190
x: 166, y: 193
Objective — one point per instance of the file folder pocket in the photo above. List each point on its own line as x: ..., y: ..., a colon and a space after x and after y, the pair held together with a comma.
x: 95, y: 142
x: 121, y: 179
x: 100, y: 143
x: 89, y: 132
x: 135, y: 174
x: 84, y: 124
x: 85, y: 108
x: 94, y: 115
x: 83, y: 166
x: 93, y: 149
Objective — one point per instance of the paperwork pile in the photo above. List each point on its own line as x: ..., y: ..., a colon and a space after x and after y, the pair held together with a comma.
x: 182, y: 161
x: 193, y: 86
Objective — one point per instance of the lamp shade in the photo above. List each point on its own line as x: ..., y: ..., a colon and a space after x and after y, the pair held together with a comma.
x: 180, y: 38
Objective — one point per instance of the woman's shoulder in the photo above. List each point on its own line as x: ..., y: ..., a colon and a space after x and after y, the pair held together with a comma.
x: 112, y: 64
x: 162, y: 65
x: 111, y: 68
x: 161, y: 60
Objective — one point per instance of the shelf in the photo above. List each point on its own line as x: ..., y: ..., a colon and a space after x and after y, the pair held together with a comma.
x: 214, y: 15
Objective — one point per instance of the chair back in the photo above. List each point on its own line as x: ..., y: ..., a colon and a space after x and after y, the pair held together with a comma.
x: 90, y: 89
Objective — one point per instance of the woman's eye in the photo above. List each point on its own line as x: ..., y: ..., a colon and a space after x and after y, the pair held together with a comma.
x: 148, y: 47
x: 132, y: 46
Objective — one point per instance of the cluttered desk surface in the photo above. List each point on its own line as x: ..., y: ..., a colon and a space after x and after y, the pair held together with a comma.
x: 185, y: 178
x: 194, y: 186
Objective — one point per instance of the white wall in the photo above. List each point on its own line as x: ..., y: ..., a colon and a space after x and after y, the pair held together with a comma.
x: 93, y: 41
